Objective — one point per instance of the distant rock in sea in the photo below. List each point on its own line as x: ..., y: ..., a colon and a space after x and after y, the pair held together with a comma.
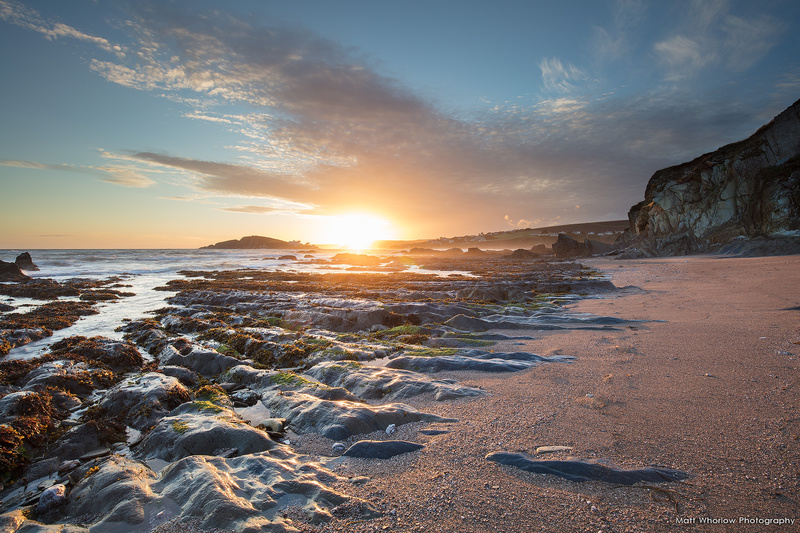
x: 24, y: 262
x: 256, y: 242
x: 747, y: 191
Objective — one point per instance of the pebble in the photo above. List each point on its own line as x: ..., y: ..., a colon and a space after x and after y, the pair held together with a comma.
x: 390, y: 429
x: 52, y: 498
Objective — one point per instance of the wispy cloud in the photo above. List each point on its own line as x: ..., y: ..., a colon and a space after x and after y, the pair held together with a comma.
x: 712, y: 36
x: 39, y: 166
x: 252, y: 209
x: 20, y: 15
x: 683, y: 57
x: 615, y: 42
x: 125, y: 177
x: 559, y: 77
x: 118, y: 175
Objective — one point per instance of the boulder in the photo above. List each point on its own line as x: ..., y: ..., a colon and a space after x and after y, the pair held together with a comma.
x: 24, y: 262
x: 11, y: 272
x: 524, y: 255
x: 566, y: 247
x: 52, y: 498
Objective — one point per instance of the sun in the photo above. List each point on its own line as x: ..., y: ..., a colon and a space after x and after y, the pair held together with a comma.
x: 355, y: 231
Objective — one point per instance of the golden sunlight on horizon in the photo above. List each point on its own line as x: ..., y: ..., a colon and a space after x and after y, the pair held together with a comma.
x: 355, y: 231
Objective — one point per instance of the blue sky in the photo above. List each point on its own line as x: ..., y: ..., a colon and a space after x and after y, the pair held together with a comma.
x: 178, y: 124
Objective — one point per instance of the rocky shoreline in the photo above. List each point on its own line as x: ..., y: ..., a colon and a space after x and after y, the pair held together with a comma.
x: 205, y: 414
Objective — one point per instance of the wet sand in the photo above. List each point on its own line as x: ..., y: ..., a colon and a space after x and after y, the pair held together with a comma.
x: 708, y: 385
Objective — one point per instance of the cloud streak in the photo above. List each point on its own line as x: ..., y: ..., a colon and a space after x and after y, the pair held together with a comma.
x: 118, y: 175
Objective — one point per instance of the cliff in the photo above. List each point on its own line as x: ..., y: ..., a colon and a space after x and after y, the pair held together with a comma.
x: 256, y: 242
x: 747, y: 191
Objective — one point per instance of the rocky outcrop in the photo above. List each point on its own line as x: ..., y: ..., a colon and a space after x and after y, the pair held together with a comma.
x: 11, y: 272
x: 24, y: 262
x: 747, y: 189
x: 566, y: 247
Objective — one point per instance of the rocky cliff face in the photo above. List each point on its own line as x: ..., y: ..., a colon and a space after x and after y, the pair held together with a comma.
x: 749, y: 190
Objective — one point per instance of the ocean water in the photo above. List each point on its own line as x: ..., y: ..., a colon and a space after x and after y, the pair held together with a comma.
x: 140, y: 271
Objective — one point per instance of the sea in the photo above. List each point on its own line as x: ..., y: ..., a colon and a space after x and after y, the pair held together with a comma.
x: 141, y: 271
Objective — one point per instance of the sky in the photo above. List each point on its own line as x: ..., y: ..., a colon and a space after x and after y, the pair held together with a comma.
x: 177, y: 124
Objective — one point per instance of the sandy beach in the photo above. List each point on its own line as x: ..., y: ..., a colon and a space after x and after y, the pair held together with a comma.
x: 706, y: 384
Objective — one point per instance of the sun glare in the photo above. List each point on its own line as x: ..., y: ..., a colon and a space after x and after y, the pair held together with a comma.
x: 356, y: 231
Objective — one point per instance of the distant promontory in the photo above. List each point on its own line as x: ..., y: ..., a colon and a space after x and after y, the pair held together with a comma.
x: 256, y: 242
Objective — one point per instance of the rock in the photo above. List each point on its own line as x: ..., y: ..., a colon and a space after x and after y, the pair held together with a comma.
x: 24, y: 262
x: 120, y: 356
x: 287, y: 258
x: 68, y: 466
x: 43, y: 468
x: 200, y: 428
x: 11, y: 521
x: 746, y: 189
x: 484, y: 293
x: 184, y: 375
x: 242, y: 493
x: 524, y: 255
x: 468, y: 323
x: 579, y: 286
x: 76, y: 377
x: 390, y: 429
x: 380, y: 383
x: 599, y: 248
x: 204, y: 361
x: 9, y: 403
x: 357, y: 259
x: 11, y: 272
x: 457, y: 363
x: 761, y: 246
x: 566, y: 247
x: 51, y: 498
x: 76, y: 442
x: 381, y: 449
x: 585, y: 470
x: 245, y: 397
x: 552, y: 449
x: 141, y: 401
x: 94, y: 454
x: 5, y: 307
x: 541, y: 249
x: 274, y: 425
x: 339, y: 420
x: 338, y: 447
